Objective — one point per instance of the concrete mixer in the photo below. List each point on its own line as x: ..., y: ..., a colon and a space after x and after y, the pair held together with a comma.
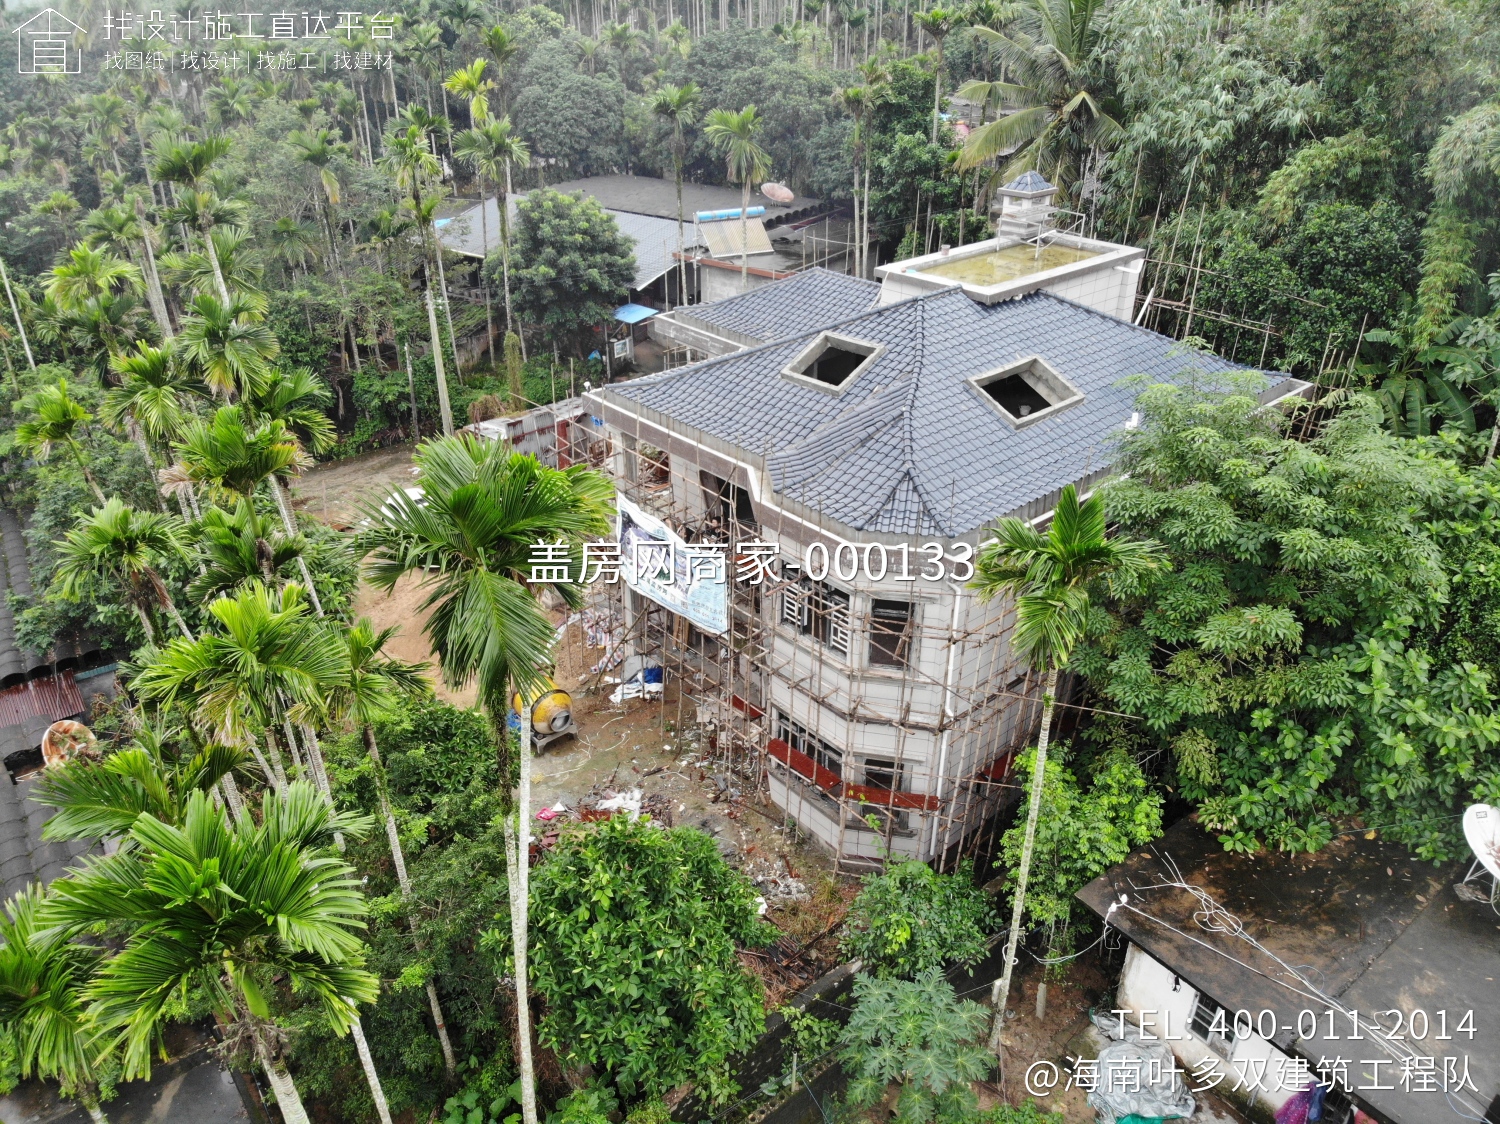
x: 551, y: 710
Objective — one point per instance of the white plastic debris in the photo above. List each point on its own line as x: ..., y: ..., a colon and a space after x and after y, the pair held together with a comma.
x: 628, y: 802
x: 760, y: 906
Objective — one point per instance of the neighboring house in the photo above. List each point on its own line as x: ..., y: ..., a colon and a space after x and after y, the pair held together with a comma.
x: 1262, y: 968
x: 872, y: 442
x: 34, y: 693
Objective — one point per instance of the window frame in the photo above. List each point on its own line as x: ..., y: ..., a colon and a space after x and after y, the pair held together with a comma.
x: 902, y: 657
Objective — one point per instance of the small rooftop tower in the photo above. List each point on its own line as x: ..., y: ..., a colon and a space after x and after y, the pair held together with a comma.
x: 1023, y: 207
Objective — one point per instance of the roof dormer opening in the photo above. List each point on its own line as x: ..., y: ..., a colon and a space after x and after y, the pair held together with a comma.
x: 1027, y: 391
x: 832, y: 361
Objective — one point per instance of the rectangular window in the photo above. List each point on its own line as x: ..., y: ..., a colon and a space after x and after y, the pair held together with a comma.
x: 816, y: 609
x: 1210, y: 1022
x: 890, y: 633
x: 800, y: 738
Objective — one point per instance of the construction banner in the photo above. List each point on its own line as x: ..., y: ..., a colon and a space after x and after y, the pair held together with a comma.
x: 687, y: 578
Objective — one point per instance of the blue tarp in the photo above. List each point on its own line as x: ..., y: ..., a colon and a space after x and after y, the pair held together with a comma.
x: 634, y: 313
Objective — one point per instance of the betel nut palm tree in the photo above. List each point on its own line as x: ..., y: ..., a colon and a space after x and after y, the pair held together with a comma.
x: 1050, y: 576
x: 373, y: 684
x: 678, y: 106
x: 1053, y: 50
x: 232, y: 910
x: 119, y: 542
x: 938, y: 23
x: 492, y: 148
x: 57, y: 419
x: 733, y: 136
x: 42, y: 980
x: 471, y: 536
x: 410, y: 159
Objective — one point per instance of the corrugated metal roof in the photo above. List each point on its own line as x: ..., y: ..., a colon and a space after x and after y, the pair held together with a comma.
x: 50, y: 697
x: 911, y: 446
x: 474, y: 234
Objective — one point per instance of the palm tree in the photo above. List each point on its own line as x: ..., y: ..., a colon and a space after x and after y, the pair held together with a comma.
x: 116, y: 541
x: 42, y: 982
x: 270, y: 664
x: 240, y: 547
x: 938, y: 22
x: 492, y: 149
x: 58, y: 420
x: 483, y: 508
x: 679, y: 106
x: 375, y: 682
x: 89, y: 273
x: 227, y: 344
x: 469, y: 82
x: 101, y: 799
x: 128, y: 231
x: 189, y: 165
x: 1055, y: 51
x: 1050, y: 576
x: 226, y: 455
x: 502, y: 47
x: 413, y: 164
x: 733, y: 136
x: 155, y: 393
x: 226, y: 910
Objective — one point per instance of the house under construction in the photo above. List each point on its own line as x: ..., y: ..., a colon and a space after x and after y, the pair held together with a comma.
x: 868, y: 433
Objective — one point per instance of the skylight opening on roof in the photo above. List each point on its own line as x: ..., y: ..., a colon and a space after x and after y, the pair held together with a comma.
x: 832, y: 362
x: 1027, y: 392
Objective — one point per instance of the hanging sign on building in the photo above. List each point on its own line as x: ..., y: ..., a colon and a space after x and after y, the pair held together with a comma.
x: 688, y: 579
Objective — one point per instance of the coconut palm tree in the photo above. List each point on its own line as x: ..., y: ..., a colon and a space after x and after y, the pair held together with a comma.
x: 226, y: 344
x: 678, y: 105
x: 1050, y: 576
x: 493, y: 149
x: 375, y: 683
x: 57, y: 419
x: 116, y: 541
x: 409, y: 159
x: 240, y: 547
x: 1054, y: 51
x: 733, y: 136
x: 482, y: 510
x: 101, y: 799
x: 43, y: 977
x: 227, y: 910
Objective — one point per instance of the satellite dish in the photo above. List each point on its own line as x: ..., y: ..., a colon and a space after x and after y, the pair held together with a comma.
x: 777, y: 192
x: 1482, y: 830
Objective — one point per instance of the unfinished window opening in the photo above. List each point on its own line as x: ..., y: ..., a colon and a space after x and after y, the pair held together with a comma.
x: 800, y: 738
x: 884, y: 774
x: 890, y: 633
x: 655, y: 469
x: 1028, y: 391
x: 728, y: 503
x: 816, y: 609
x: 832, y: 362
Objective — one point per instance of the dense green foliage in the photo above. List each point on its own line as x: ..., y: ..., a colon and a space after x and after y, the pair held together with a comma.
x: 636, y: 929
x: 919, y: 1035
x: 1083, y: 830
x: 910, y: 918
x: 1291, y: 660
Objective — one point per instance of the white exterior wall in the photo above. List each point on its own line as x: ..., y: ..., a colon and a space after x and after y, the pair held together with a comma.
x: 1110, y: 291
x: 1161, y: 1003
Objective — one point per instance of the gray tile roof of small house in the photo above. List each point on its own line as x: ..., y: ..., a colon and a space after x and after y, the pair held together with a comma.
x: 1029, y: 181
x: 910, y: 446
x: 803, y: 302
x: 15, y: 578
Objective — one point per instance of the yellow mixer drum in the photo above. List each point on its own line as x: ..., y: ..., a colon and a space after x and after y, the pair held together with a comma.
x: 551, y: 708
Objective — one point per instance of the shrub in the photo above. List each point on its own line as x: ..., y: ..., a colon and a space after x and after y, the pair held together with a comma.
x: 920, y: 1034
x: 910, y: 919
x: 635, y: 929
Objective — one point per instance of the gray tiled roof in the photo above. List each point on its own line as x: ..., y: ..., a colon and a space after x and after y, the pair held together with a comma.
x: 15, y: 578
x: 911, y: 446
x: 1029, y: 181
x: 807, y: 300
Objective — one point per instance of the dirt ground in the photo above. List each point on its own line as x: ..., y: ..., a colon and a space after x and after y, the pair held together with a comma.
x: 336, y: 491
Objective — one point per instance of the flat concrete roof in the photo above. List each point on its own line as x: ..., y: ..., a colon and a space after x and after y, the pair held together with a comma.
x: 651, y: 195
